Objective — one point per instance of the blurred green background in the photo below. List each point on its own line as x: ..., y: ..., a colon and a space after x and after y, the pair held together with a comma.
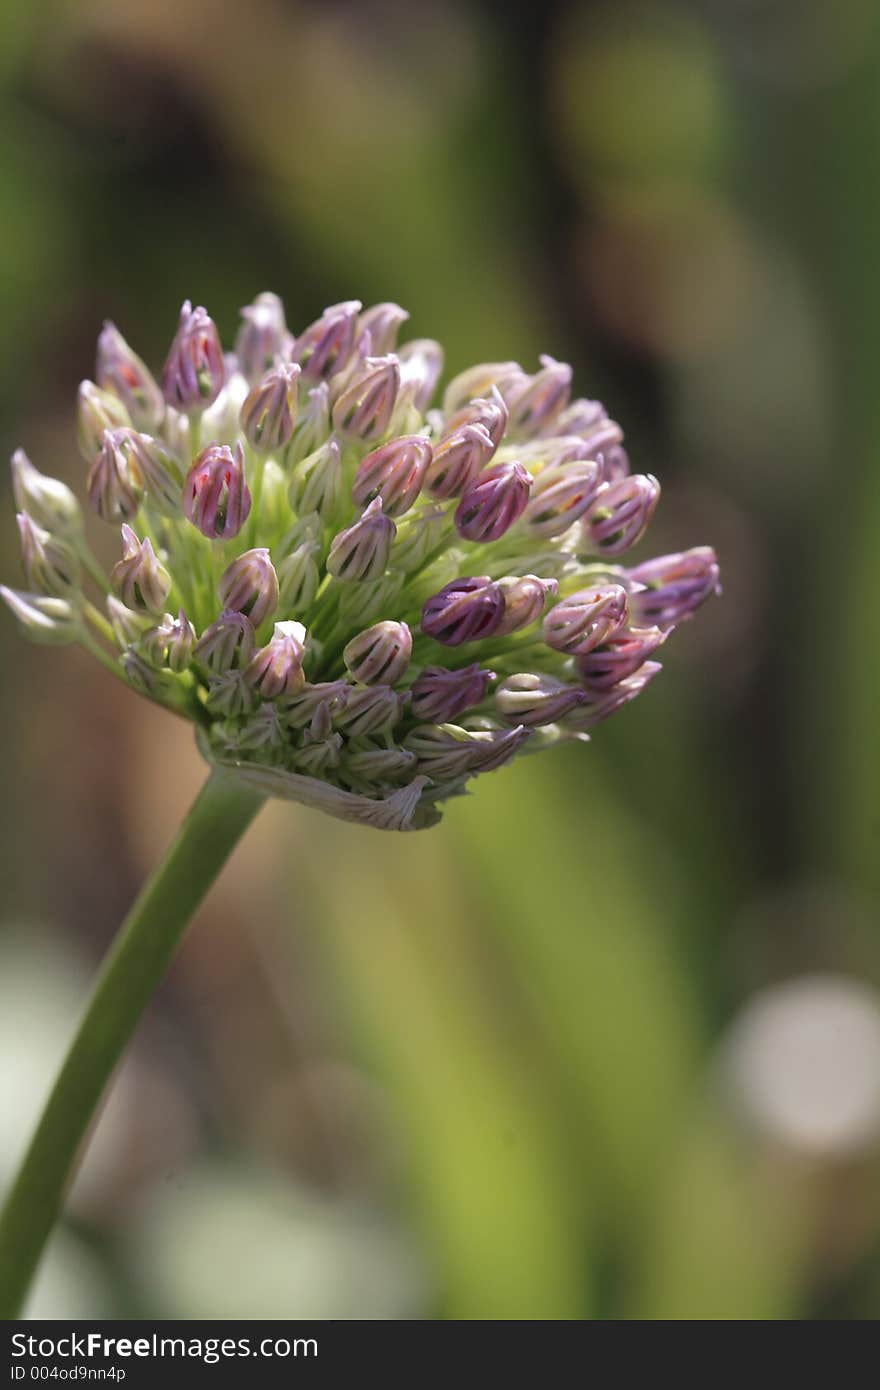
x: 607, y: 1042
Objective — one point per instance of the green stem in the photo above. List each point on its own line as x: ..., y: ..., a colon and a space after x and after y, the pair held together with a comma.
x: 132, y: 969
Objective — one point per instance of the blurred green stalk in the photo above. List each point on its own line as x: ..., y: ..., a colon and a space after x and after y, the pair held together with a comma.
x: 132, y: 970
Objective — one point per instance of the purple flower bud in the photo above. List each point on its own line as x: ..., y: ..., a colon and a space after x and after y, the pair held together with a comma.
x: 614, y: 463
x: 268, y: 416
x: 325, y: 696
x: 44, y: 619
x: 317, y: 483
x: 121, y: 371
x: 531, y: 699
x: 394, y: 472
x: 171, y: 642
x: 194, y: 370
x: 229, y: 641
x: 370, y: 709
x: 277, y: 668
x: 444, y: 752
x: 216, y: 497
x: 493, y: 502
x: 250, y: 585
x: 365, y: 406
x: 49, y: 501
x: 421, y: 362
x: 383, y: 323
x: 524, y: 600
x: 561, y: 495
x: 138, y: 579
x: 539, y: 403
x: 458, y: 460
x: 318, y: 758
x: 324, y: 347
x: 378, y: 766
x: 490, y: 412
x: 439, y: 696
x: 465, y: 610
x: 115, y: 484
x: 262, y: 337
x: 229, y: 695
x: 674, y: 586
x: 586, y: 619
x: 620, y: 513
x: 478, y: 382
x: 51, y: 566
x: 97, y: 411
x: 379, y: 654
x: 497, y: 747
x: 156, y: 467
x: 600, y: 705
x: 618, y: 658
x: 362, y: 550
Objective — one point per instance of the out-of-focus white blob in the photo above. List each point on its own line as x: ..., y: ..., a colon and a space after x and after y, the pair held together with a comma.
x: 224, y: 1242
x: 69, y: 1286
x: 802, y: 1065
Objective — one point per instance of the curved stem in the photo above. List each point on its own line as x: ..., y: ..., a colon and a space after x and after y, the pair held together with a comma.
x: 132, y: 969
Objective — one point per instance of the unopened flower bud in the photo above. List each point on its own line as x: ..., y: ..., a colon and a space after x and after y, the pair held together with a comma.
x: 418, y: 537
x: 139, y: 580
x: 542, y: 399
x: 318, y: 758
x: 379, y: 654
x: 97, y: 411
x: 589, y: 419
x: 600, y: 705
x: 361, y: 551
x: 147, y: 680
x: 585, y: 619
x: 44, y: 619
x: 216, y: 497
x: 370, y: 709
x: 365, y: 406
x: 421, y: 363
x: 524, y: 599
x: 531, y: 699
x: 298, y: 578
x: 229, y: 695
x: 328, y: 697
x: 317, y: 483
x: 115, y: 484
x: 395, y: 472
x: 268, y: 416
x: 250, y: 585
x: 674, y: 586
x: 324, y: 347
x: 477, y: 382
x: 383, y: 323
x: 49, y: 501
x: 156, y: 467
x: 463, y: 611
x: 440, y: 696
x: 277, y: 668
x: 262, y: 336
x: 560, y: 496
x: 489, y: 412
x: 378, y: 765
x: 613, y: 462
x: 128, y: 627
x: 458, y: 460
x: 619, y: 657
x: 494, y: 748
x: 171, y: 642
x: 493, y: 502
x: 264, y: 731
x: 620, y: 513
x: 121, y: 371
x: 443, y: 752
x: 229, y: 641
x: 51, y: 566
x: 195, y: 369
x: 314, y: 423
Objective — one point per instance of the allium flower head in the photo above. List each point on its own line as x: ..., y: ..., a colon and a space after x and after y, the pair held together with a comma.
x: 377, y: 598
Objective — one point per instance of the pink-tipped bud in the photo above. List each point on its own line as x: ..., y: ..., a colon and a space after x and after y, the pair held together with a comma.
x: 459, y: 459
x: 618, y: 658
x: 51, y: 566
x: 585, y: 619
x: 262, y: 337
x: 115, y: 483
x: 194, y: 370
x: 139, y: 580
x: 324, y: 347
x: 491, y: 505
x: 524, y: 599
x: 542, y: 399
x: 365, y: 406
x: 490, y: 412
x: 216, y: 497
x: 620, y: 513
x: 383, y: 322
x: 96, y: 412
x: 268, y: 416
x: 171, y: 642
x: 531, y: 699
x: 250, y: 586
x: 277, y: 668
x: 560, y: 496
x: 361, y: 551
x: 395, y: 472
x: 478, y: 383
x: 157, y: 468
x: 379, y: 654
x: 439, y: 696
x: 674, y: 586
x: 589, y: 419
x: 421, y: 363
x: 121, y: 371
x: 228, y: 642
x: 464, y: 611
